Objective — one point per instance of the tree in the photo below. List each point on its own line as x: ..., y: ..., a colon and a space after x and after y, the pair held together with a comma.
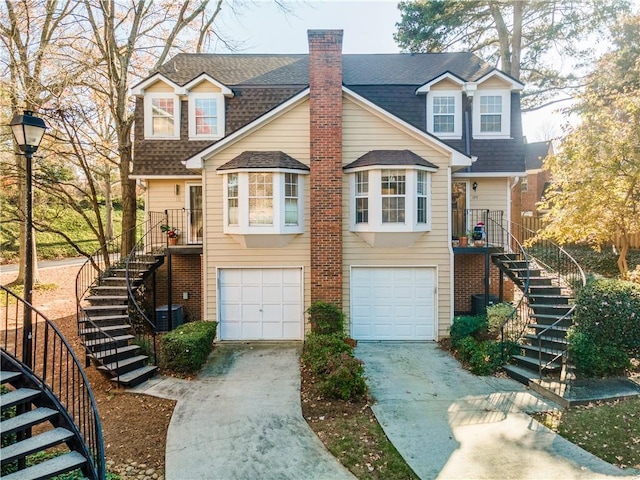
x: 516, y: 35
x: 595, y: 194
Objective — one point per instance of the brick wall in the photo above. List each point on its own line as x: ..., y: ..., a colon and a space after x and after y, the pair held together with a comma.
x: 535, y: 187
x: 469, y: 280
x: 186, y: 276
x: 325, y: 102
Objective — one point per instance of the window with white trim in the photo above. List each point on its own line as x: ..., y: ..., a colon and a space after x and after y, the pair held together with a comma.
x: 444, y: 113
x: 263, y: 202
x: 206, y: 115
x: 491, y: 114
x: 391, y: 199
x: 162, y: 116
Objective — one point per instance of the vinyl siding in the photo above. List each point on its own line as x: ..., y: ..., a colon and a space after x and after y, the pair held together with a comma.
x: 159, y: 86
x: 162, y: 196
x: 365, y: 131
x: 288, y: 133
x: 491, y: 194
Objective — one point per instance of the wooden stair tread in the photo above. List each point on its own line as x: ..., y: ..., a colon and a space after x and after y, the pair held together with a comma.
x: 28, y: 419
x: 55, y: 466
x: 35, y: 444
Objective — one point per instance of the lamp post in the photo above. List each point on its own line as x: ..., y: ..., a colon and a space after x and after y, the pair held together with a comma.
x: 28, y: 132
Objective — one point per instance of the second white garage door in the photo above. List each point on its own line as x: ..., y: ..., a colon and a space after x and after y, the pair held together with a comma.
x: 260, y: 304
x: 393, y: 303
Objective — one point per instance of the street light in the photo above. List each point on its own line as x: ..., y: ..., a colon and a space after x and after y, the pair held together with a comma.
x: 28, y: 132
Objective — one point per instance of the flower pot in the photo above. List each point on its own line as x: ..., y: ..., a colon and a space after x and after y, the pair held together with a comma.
x: 463, y: 241
x: 479, y: 243
x: 173, y: 240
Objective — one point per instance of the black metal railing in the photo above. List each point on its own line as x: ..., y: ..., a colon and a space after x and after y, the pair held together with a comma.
x: 188, y: 222
x: 464, y: 221
x: 57, y: 369
x: 136, y: 266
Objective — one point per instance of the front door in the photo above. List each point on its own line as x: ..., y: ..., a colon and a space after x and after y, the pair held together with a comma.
x: 459, y: 209
x: 194, y: 213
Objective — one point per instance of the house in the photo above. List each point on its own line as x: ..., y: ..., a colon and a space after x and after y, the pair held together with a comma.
x: 536, y: 180
x: 328, y: 176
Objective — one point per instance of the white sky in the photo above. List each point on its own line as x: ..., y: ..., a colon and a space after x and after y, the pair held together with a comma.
x: 259, y: 26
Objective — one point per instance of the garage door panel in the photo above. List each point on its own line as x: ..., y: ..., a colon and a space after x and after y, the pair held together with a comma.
x: 260, y: 303
x: 392, y: 303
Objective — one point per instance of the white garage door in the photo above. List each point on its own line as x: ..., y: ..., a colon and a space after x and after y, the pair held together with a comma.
x: 393, y: 303
x: 260, y: 304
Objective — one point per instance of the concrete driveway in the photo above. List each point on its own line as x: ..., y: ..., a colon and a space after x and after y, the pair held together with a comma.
x: 449, y: 424
x: 241, y: 419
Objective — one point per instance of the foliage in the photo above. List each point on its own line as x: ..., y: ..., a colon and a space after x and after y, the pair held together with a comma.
x: 483, y: 357
x: 330, y: 358
x: 607, y: 327
x: 325, y: 318
x: 172, y: 232
x: 496, y: 316
x: 465, y: 326
x: 595, y: 192
x: 602, y: 261
x: 344, y: 377
x: 318, y: 347
x: 520, y: 36
x: 185, y: 349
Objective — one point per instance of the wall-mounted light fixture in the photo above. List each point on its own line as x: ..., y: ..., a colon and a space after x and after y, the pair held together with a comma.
x: 177, y: 189
x: 474, y: 186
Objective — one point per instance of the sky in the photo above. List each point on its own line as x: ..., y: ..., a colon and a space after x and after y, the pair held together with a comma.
x: 259, y: 26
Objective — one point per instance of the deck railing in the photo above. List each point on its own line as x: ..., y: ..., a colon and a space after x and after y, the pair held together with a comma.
x: 56, y: 367
x: 189, y: 222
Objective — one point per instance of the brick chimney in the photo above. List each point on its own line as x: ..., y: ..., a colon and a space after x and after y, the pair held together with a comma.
x: 325, y: 85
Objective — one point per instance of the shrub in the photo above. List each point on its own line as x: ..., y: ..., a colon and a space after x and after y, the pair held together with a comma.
x: 318, y: 348
x: 185, y: 349
x: 325, y: 318
x: 344, y: 378
x: 466, y: 348
x: 465, y: 326
x: 593, y: 360
x: 496, y: 315
x: 482, y: 357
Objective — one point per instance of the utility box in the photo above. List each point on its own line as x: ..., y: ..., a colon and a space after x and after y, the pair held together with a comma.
x: 478, y: 306
x: 162, y: 317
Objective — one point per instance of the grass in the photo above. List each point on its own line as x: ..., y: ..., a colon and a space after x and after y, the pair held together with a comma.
x: 609, y: 430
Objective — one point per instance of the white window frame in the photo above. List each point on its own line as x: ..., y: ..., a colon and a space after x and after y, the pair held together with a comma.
x: 505, y: 130
x: 219, y: 98
x: 279, y: 225
x: 457, y: 118
x: 148, y: 116
x: 375, y: 223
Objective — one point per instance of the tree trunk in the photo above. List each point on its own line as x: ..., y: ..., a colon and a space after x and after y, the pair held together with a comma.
x: 516, y: 40
x: 129, y: 203
x: 623, y: 266
x: 108, y: 206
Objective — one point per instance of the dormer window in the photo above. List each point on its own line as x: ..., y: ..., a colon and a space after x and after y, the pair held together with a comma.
x: 444, y: 113
x: 263, y: 198
x: 206, y: 116
x: 162, y: 113
x: 491, y: 114
x: 391, y: 197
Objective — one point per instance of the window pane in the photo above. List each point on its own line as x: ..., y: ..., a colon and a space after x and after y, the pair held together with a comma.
x: 421, y: 193
x: 491, y: 113
x: 422, y: 209
x: 260, y: 199
x: 491, y: 104
x: 393, y: 182
x: 393, y: 210
x: 443, y: 123
x: 362, y: 183
x: 491, y: 123
x: 362, y: 210
x: 233, y: 211
x: 291, y: 211
x: 393, y: 188
x: 444, y: 105
x: 206, y: 116
x: 232, y: 198
x: 162, y: 112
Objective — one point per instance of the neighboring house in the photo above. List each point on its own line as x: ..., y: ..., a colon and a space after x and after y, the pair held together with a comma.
x: 343, y: 178
x: 536, y: 180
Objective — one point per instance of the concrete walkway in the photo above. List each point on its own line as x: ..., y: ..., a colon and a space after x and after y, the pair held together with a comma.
x: 449, y: 424
x: 241, y: 419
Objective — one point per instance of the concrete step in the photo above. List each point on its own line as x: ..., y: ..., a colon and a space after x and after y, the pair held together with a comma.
x: 18, y: 397
x: 34, y: 444
x: 50, y: 468
x: 136, y: 377
x: 27, y: 420
x: 520, y: 374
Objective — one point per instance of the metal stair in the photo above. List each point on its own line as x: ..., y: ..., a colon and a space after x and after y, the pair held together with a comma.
x: 105, y: 327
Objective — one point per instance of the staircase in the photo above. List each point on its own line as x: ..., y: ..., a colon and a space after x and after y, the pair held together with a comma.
x: 544, y: 316
x: 48, y: 409
x: 106, y: 329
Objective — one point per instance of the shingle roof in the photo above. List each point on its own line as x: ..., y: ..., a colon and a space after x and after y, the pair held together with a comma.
x: 391, y: 158
x: 535, y: 153
x: 358, y: 69
x: 263, y: 160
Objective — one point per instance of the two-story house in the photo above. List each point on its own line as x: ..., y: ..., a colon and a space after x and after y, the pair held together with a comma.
x: 329, y: 176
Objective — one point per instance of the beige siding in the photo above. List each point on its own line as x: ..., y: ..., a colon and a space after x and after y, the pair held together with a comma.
x: 290, y: 134
x: 159, y: 87
x: 363, y: 132
x: 446, y: 84
x: 162, y: 194
x: 494, y: 82
x: 205, y: 87
x: 491, y: 194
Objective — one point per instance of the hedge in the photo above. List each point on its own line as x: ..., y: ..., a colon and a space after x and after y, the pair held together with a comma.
x: 185, y: 349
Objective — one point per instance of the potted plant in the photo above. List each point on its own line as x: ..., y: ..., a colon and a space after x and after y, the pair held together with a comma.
x: 172, y: 233
x: 455, y: 242
x: 464, y: 239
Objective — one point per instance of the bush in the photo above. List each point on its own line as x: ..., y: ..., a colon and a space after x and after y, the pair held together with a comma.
x: 325, y: 318
x: 496, y: 315
x: 330, y: 359
x: 467, y: 326
x: 593, y: 360
x: 318, y: 348
x: 344, y: 378
x: 482, y: 357
x: 185, y: 349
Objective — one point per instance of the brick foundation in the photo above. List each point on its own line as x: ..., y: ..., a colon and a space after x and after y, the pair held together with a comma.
x: 186, y: 276
x: 469, y: 280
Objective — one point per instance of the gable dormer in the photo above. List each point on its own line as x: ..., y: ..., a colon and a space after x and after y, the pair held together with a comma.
x: 444, y: 105
x: 491, y: 105
x: 163, y: 101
